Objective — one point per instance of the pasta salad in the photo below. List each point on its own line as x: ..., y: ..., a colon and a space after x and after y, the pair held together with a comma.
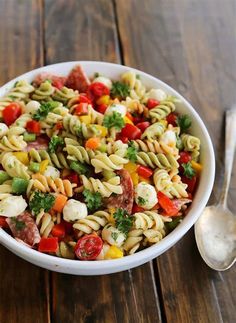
x: 93, y: 168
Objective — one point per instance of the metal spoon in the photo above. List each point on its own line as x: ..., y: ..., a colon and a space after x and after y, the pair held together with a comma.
x: 215, y: 230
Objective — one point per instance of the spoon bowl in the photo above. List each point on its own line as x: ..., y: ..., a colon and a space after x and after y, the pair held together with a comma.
x: 215, y: 233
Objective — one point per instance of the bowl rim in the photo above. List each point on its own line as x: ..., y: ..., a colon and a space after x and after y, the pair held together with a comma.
x: 145, y: 254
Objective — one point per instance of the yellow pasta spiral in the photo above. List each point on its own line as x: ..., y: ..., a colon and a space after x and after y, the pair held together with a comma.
x: 112, y: 162
x: 105, y: 188
x: 13, y: 166
x: 92, y: 222
x: 43, y: 92
x: 157, y: 160
x: 44, y: 223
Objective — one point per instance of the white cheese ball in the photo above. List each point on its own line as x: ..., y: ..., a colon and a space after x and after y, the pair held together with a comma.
x: 145, y: 195
x: 157, y: 94
x: 113, y: 236
x: 74, y: 210
x: 32, y: 107
x: 117, y: 108
x: 168, y: 138
x: 12, y: 206
x: 104, y: 80
x: 52, y: 172
x: 3, y: 129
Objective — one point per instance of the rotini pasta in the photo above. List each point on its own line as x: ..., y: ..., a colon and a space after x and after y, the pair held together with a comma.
x: 105, y: 188
x: 157, y: 160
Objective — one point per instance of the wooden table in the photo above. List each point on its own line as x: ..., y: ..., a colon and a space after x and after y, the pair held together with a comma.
x: 189, y: 44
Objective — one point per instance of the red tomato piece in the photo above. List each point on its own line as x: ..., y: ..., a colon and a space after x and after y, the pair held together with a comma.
x: 123, y: 139
x: 59, y: 125
x: 98, y: 89
x: 190, y: 182
x: 84, y: 99
x: 88, y: 247
x: 3, y: 222
x: 184, y: 158
x: 59, y: 230
x: 171, y: 119
x: 138, y: 120
x: 73, y: 178
x: 136, y: 208
x: 129, y: 115
x: 144, y: 171
x: 143, y: 125
x: 131, y: 132
x: 11, y: 112
x: 81, y: 109
x: 58, y: 83
x: 167, y: 205
x: 33, y: 126
x: 48, y: 244
x: 152, y: 103
x: 101, y: 108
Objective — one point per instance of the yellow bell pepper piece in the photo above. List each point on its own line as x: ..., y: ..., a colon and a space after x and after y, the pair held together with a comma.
x: 135, y: 178
x: 102, y: 130
x: 196, y: 166
x: 22, y: 157
x: 85, y: 119
x: 105, y: 99
x: 113, y: 253
x: 164, y: 122
x: 131, y: 167
x: 43, y: 165
x: 146, y: 180
x: 127, y: 120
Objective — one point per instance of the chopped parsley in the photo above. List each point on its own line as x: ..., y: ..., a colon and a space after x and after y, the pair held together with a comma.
x: 120, y: 90
x: 44, y: 110
x: 188, y: 170
x: 124, y: 221
x: 93, y: 200
x: 184, y: 122
x: 54, y: 143
x: 114, y: 120
x: 141, y: 201
x: 132, y: 152
x: 19, y: 225
x: 114, y: 235
x: 41, y: 201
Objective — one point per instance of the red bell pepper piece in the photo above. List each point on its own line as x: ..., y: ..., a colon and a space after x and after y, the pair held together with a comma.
x: 48, y: 244
x: 190, y: 182
x: 59, y: 230
x: 152, y: 103
x: 184, y: 158
x: 137, y: 208
x: 81, y: 109
x: 171, y: 119
x: 101, y: 108
x: 98, y: 89
x: 129, y: 115
x: 11, y: 112
x: 143, y: 125
x: 131, y: 132
x: 144, y: 171
x: 84, y: 99
x: 167, y: 205
x: 33, y: 126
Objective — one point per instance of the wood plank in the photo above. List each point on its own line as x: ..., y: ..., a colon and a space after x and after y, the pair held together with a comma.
x: 24, y: 287
x: 191, y: 46
x: 122, y: 297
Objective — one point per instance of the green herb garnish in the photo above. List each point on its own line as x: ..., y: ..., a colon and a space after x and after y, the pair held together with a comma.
x: 114, y: 235
x: 54, y: 143
x: 132, y: 152
x: 93, y: 200
x: 19, y: 225
x: 123, y: 221
x: 184, y: 122
x: 41, y: 201
x: 44, y: 110
x: 120, y: 90
x: 188, y: 170
x: 141, y: 201
x: 114, y: 120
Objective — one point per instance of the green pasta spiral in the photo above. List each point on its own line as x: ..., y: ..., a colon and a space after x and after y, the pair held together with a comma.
x: 157, y: 160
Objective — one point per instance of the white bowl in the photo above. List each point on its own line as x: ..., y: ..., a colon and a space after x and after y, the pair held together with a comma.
x: 201, y: 196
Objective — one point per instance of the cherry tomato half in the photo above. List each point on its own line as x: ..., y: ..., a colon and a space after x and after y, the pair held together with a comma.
x: 131, y: 132
x: 144, y: 171
x: 11, y: 112
x: 152, y: 103
x: 84, y: 99
x: 167, y: 205
x: 184, y: 158
x: 190, y: 182
x: 3, y: 222
x: 143, y: 125
x: 102, y: 108
x: 98, y: 89
x: 88, y: 247
x: 171, y: 119
x: 81, y: 109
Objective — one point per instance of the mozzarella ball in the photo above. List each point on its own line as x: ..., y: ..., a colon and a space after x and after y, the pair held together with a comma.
x: 113, y: 236
x: 168, y: 138
x: 104, y: 80
x: 12, y: 206
x: 74, y: 210
x: 117, y: 108
x: 52, y: 172
x: 3, y: 129
x: 32, y: 107
x: 145, y: 195
x: 157, y: 94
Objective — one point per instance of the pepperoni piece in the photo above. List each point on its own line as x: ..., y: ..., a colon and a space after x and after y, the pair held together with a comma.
x: 126, y: 199
x: 40, y: 144
x: 57, y: 81
x: 77, y: 79
x: 23, y: 227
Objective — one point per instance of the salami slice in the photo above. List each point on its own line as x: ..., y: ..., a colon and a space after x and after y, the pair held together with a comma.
x: 78, y: 80
x: 23, y: 227
x: 40, y: 144
x: 126, y: 199
x: 181, y: 203
x: 57, y: 81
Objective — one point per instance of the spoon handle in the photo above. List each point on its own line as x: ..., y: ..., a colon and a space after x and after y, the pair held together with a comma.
x: 230, y: 143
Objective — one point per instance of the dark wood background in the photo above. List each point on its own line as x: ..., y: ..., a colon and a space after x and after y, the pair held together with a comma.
x: 190, y: 44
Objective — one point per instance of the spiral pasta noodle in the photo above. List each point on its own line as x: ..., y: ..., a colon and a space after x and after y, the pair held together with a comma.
x: 162, y: 110
x: 192, y: 144
x: 64, y: 94
x: 157, y: 160
x: 92, y: 222
x: 13, y: 141
x: 21, y: 91
x: 65, y: 250
x: 137, y: 89
x: 112, y: 162
x: 105, y: 188
x: 13, y: 166
x: 45, y: 223
x: 43, y: 92
x: 154, y: 131
x: 133, y: 241
x: 55, y: 159
x: 148, y: 146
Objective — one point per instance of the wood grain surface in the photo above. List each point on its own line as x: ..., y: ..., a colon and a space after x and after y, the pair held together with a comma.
x: 189, y: 44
